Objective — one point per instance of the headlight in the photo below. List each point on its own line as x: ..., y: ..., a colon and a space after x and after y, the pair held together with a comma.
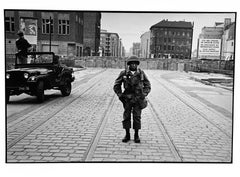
x: 33, y: 78
x: 7, y: 75
x: 26, y: 75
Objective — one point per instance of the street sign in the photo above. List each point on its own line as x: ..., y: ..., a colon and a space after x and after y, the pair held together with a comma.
x: 209, y: 48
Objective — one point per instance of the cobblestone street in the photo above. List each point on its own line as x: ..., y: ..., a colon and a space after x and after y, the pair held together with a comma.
x: 87, y: 127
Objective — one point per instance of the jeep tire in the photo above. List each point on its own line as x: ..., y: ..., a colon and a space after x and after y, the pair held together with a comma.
x: 40, y: 91
x: 66, y: 88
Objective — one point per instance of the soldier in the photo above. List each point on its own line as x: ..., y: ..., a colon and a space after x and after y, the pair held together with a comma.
x: 23, y: 46
x: 136, y: 88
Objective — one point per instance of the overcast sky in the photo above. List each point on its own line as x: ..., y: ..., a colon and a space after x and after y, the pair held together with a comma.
x: 130, y: 26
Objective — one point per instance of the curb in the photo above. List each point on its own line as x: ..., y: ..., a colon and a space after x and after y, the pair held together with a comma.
x: 211, y: 84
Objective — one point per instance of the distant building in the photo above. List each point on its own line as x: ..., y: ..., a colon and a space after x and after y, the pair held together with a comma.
x: 58, y: 31
x: 121, y: 50
x: 145, y: 45
x: 136, y: 49
x: 109, y: 44
x: 217, y: 42
x: 228, y: 41
x: 91, y: 33
x: 171, y: 39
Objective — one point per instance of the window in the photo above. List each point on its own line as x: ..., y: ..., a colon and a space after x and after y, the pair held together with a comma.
x: 169, y: 40
x: 9, y: 24
x: 165, y: 39
x: 63, y: 27
x: 183, y: 33
x: 169, y: 47
x: 164, y: 47
x: 232, y: 43
x: 46, y: 26
x: 173, y: 48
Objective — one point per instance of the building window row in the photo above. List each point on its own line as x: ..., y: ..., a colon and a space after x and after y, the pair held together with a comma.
x: 171, y: 40
x: 171, y: 48
x: 9, y: 24
x: 172, y: 33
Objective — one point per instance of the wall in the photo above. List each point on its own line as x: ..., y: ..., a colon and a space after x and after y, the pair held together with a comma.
x: 225, y: 67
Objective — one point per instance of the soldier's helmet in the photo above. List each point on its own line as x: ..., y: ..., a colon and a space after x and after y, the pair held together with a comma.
x: 20, y: 33
x: 133, y: 59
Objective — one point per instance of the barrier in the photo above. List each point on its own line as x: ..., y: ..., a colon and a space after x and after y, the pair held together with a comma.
x: 156, y: 63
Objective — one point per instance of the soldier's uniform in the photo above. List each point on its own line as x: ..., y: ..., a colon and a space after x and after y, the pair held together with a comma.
x: 136, y: 88
x: 22, y: 46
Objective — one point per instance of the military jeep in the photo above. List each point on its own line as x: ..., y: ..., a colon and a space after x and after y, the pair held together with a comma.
x: 37, y: 72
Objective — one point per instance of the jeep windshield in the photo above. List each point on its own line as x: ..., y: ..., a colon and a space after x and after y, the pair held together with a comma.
x: 35, y: 58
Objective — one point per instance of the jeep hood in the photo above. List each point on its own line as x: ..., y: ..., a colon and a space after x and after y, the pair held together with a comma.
x: 32, y: 70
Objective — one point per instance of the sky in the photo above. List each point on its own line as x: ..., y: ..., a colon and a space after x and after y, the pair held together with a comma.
x: 130, y: 26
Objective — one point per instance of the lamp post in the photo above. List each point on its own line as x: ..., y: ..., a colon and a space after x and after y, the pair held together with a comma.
x: 50, y: 34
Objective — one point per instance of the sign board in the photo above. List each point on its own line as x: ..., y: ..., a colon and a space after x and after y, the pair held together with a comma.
x: 209, y: 48
x: 29, y: 28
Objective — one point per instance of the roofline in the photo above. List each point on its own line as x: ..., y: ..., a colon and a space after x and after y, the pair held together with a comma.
x: 109, y: 33
x: 171, y: 27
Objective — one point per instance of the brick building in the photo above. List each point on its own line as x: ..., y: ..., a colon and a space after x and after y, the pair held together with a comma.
x: 171, y: 39
x: 91, y: 33
x: 66, y: 29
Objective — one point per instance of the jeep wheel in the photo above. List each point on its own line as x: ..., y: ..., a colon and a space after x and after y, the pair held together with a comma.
x: 40, y: 91
x: 66, y: 88
x: 7, y: 96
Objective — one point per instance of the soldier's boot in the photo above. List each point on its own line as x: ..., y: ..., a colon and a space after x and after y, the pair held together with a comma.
x: 136, y: 137
x: 127, y: 136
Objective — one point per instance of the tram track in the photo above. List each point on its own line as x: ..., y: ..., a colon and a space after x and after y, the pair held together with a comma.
x: 165, y: 133
x: 94, y: 142
x: 177, y: 94
x: 61, y: 104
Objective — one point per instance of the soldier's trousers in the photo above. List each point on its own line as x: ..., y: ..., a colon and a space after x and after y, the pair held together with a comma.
x: 136, y: 112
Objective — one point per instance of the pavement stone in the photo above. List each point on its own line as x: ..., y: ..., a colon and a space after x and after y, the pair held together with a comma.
x: 70, y: 134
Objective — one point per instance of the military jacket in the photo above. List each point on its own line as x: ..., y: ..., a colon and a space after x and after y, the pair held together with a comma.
x: 22, y: 45
x: 136, y: 85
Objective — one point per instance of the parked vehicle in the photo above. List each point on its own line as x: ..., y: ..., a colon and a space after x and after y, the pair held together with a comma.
x: 36, y: 73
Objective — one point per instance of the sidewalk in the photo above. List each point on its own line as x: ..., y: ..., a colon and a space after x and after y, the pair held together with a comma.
x: 214, y: 79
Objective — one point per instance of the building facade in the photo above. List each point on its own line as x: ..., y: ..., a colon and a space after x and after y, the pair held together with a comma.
x: 228, y: 42
x: 136, y: 49
x: 109, y: 44
x: 145, y: 45
x: 91, y: 33
x: 217, y: 42
x: 171, y: 39
x: 58, y: 31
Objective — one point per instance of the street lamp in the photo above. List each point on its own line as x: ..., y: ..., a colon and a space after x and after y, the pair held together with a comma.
x: 50, y: 33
